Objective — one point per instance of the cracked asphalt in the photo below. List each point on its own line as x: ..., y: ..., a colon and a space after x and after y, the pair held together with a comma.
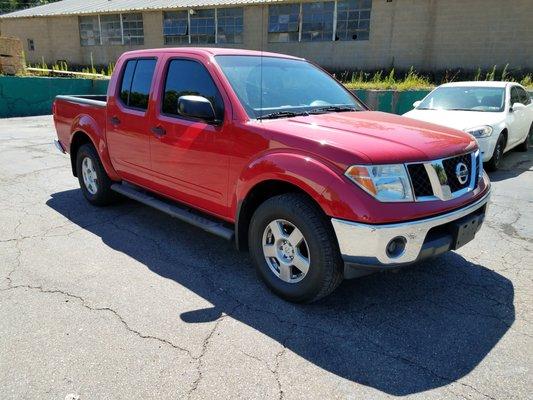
x: 126, y: 303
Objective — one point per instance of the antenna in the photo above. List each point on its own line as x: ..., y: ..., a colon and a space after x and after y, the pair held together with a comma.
x: 261, y: 59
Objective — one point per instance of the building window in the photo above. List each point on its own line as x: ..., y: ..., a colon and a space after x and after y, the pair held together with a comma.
x: 317, y: 21
x: 229, y: 25
x: 31, y: 45
x: 111, y: 31
x: 132, y: 28
x: 175, y: 27
x: 89, y: 31
x: 202, y: 26
x: 283, y: 22
x: 353, y: 19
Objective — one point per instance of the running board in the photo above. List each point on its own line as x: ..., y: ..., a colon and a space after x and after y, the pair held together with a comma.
x: 174, y: 210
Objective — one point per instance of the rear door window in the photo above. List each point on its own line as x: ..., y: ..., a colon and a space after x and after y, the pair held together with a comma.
x: 136, y: 83
x: 188, y: 77
x: 515, y: 98
x: 524, y: 96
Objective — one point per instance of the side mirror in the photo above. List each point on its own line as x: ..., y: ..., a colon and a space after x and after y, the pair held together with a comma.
x: 517, y: 106
x: 196, y: 107
x: 417, y: 103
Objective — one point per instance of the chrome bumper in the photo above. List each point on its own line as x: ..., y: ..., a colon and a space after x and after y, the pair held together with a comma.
x: 363, y: 244
x: 59, y: 146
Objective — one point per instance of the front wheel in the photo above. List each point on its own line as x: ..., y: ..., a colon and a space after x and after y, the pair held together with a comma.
x: 494, y: 162
x: 525, y: 144
x: 94, y: 182
x: 294, y: 248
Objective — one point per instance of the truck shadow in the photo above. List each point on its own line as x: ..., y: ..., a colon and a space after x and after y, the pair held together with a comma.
x: 402, y: 333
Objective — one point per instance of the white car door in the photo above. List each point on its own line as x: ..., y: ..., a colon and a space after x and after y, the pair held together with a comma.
x: 517, y: 118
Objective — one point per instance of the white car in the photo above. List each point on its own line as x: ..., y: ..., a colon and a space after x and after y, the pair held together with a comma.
x: 498, y: 114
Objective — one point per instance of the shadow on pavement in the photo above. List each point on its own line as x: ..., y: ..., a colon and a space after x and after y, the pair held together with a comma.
x: 513, y: 164
x: 401, y: 333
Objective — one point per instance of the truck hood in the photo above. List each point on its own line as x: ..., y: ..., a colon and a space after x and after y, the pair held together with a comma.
x: 368, y: 137
x: 456, y: 119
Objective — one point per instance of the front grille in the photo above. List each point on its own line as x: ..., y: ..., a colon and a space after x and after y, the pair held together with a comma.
x: 420, y: 180
x: 422, y: 174
x: 450, y: 165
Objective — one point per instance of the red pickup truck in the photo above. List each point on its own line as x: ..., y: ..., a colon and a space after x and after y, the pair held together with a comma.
x: 270, y: 151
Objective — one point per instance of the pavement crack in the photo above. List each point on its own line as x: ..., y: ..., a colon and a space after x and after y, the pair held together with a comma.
x: 84, y: 303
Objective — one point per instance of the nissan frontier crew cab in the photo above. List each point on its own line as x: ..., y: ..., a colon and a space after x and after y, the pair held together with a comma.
x: 270, y: 151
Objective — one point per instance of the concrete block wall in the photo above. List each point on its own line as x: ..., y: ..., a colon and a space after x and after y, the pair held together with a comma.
x: 426, y: 34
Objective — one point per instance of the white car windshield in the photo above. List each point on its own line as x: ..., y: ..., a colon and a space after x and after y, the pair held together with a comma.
x: 483, y: 99
x: 273, y: 87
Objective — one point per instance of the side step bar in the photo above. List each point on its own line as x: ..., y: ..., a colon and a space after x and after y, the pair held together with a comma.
x: 174, y: 210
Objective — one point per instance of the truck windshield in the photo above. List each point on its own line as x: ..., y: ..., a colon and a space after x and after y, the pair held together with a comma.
x: 272, y: 87
x: 484, y: 99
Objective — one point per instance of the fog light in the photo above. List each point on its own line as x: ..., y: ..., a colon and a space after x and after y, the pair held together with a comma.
x: 396, y: 247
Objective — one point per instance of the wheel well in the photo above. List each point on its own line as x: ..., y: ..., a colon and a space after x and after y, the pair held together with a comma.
x: 504, y: 133
x: 258, y: 195
x: 79, y: 139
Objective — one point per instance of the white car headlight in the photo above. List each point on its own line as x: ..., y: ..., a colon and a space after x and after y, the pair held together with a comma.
x: 387, y: 183
x: 480, y: 131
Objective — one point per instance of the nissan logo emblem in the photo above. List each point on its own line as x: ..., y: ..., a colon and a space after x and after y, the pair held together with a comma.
x: 461, y: 172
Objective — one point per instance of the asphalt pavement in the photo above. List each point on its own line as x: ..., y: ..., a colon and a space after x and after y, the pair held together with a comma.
x: 124, y: 302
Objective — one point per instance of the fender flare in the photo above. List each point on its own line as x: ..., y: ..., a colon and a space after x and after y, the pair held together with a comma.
x: 309, y: 174
x: 88, y: 126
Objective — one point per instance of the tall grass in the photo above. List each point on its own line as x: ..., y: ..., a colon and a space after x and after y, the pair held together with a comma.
x: 413, y: 80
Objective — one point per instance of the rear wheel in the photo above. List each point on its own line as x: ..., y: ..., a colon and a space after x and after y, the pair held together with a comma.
x: 494, y: 162
x: 525, y: 144
x: 94, y: 182
x: 294, y: 248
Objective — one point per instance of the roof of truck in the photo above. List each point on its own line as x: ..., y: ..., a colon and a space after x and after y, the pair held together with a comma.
x: 210, y: 51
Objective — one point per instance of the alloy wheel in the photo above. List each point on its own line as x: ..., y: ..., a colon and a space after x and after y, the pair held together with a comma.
x: 90, y: 179
x: 286, y: 251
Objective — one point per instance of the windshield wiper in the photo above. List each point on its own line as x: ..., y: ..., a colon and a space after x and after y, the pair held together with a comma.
x: 325, y: 109
x: 282, y: 114
x: 461, y: 109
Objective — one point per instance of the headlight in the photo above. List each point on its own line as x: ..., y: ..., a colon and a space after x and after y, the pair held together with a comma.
x: 385, y: 182
x: 480, y: 131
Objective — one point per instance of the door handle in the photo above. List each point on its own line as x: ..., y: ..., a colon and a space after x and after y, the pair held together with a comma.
x: 158, y: 131
x: 115, y: 121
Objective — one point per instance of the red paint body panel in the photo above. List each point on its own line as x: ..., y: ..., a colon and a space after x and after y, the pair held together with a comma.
x: 214, y: 167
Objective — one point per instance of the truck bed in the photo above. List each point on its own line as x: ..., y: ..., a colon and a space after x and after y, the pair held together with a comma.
x: 92, y: 109
x: 94, y: 100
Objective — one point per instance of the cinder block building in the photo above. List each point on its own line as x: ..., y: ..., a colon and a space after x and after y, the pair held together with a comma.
x: 338, y: 34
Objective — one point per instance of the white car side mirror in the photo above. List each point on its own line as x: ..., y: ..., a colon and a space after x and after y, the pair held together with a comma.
x: 517, y: 106
x: 417, y: 103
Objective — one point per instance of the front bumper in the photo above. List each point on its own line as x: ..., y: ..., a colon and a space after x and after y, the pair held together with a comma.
x: 486, y: 146
x: 364, y: 246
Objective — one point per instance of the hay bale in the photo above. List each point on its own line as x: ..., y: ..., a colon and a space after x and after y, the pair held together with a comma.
x: 11, y: 56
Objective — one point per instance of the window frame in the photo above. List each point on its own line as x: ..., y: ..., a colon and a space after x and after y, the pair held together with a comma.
x: 335, y: 22
x: 322, y: 11
x: 119, y: 86
x: 233, y: 18
x: 161, y: 96
x: 185, y: 36
x: 100, y: 41
x: 136, y: 37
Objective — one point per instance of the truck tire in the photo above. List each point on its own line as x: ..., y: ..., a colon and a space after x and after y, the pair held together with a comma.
x: 494, y: 163
x: 294, y: 248
x: 94, y: 182
x: 525, y: 144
